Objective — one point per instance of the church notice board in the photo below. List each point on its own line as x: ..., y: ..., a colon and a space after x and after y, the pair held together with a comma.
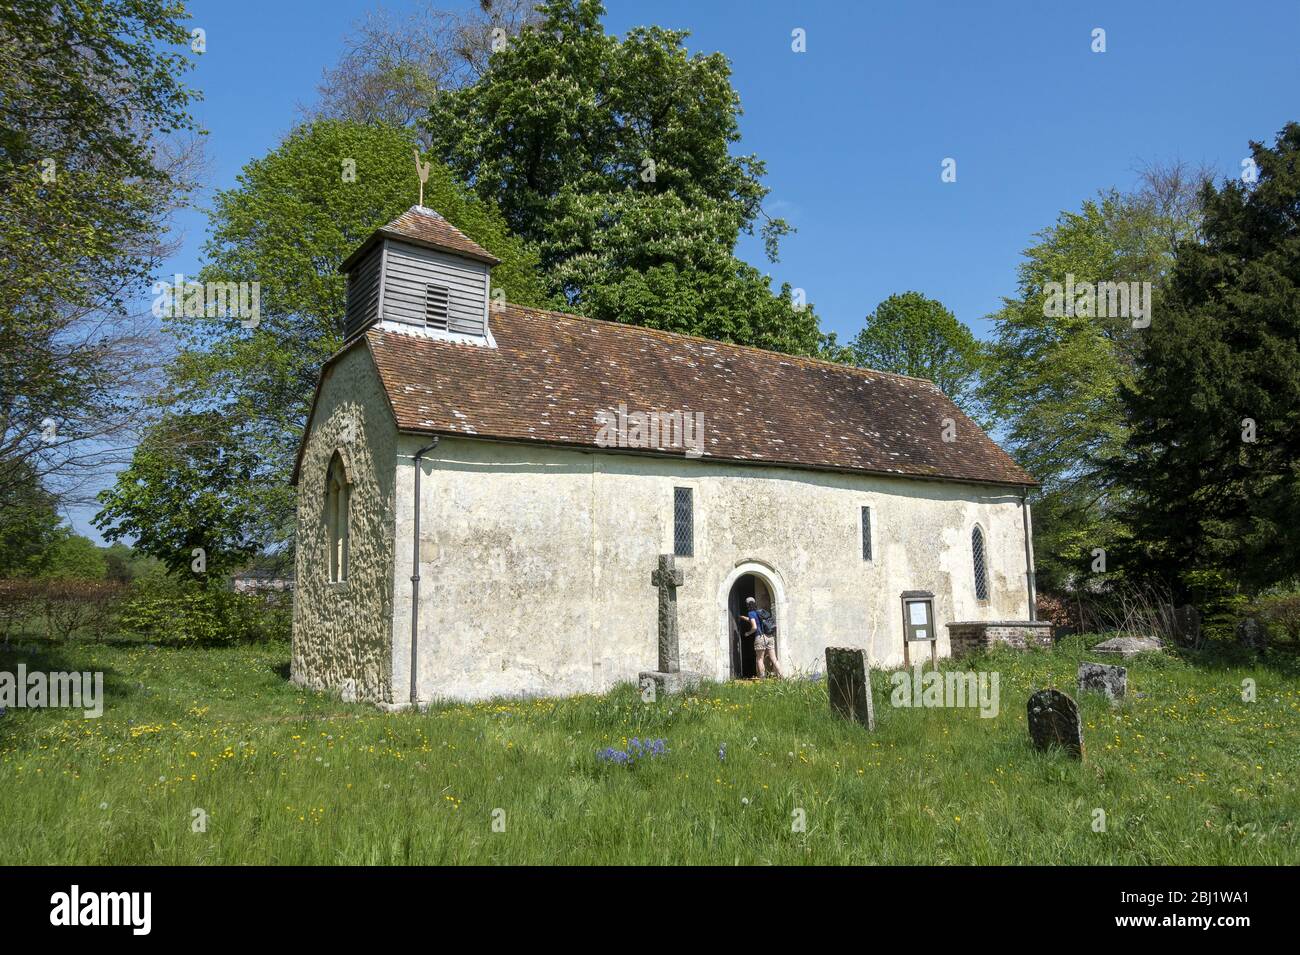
x: 918, y: 623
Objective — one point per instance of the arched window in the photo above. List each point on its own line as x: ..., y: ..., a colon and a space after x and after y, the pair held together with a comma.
x: 981, y: 568
x: 337, y: 492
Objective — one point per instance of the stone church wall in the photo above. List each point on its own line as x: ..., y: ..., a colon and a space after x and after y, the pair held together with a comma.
x: 342, y: 632
x: 536, y: 563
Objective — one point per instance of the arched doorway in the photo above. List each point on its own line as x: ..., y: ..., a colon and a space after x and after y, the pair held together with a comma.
x: 743, y: 665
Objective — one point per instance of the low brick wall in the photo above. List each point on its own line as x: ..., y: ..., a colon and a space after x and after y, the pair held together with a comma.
x: 972, y: 636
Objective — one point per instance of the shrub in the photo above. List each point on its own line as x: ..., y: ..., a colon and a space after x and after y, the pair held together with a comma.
x: 17, y: 604
x: 1281, y: 612
x: 65, y: 607
x: 167, y: 609
x: 70, y: 607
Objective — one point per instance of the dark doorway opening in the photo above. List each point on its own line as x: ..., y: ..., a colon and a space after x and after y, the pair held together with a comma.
x: 743, y: 665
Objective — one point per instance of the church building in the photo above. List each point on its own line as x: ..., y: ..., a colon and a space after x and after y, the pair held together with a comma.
x: 485, y: 493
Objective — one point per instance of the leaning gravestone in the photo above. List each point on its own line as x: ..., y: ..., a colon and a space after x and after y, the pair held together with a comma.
x: 1104, y: 678
x: 848, y: 684
x: 1252, y: 634
x: 1054, y: 721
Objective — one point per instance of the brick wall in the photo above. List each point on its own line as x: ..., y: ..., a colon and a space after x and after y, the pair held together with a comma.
x: 973, y: 636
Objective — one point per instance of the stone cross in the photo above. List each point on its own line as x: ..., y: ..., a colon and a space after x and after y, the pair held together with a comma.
x: 667, y: 578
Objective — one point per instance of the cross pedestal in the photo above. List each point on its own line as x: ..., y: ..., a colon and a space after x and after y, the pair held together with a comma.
x: 669, y: 678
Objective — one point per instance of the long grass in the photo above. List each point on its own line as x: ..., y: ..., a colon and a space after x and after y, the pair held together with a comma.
x: 1185, y: 771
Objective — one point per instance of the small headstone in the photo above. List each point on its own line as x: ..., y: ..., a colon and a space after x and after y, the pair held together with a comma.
x: 1187, y: 625
x: 1128, y: 646
x: 1054, y: 721
x: 848, y: 685
x: 1104, y: 678
x: 1252, y: 633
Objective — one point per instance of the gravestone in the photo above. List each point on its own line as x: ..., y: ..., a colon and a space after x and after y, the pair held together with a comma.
x: 1128, y: 646
x: 1252, y: 634
x: 1054, y: 721
x: 669, y: 678
x: 1104, y: 678
x: 848, y: 684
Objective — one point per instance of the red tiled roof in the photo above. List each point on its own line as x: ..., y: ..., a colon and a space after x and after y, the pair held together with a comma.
x: 425, y: 227
x: 550, y: 375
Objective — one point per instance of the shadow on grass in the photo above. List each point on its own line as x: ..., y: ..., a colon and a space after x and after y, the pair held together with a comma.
x: 48, y: 658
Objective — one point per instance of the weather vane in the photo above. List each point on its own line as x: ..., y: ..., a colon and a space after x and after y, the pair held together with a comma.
x: 421, y: 170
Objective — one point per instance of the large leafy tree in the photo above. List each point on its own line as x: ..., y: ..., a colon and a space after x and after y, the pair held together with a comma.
x: 1213, y: 413
x: 29, y: 524
x: 614, y: 157
x: 1053, y: 381
x: 910, y: 334
x: 197, y: 488
x: 90, y: 97
x: 292, y: 219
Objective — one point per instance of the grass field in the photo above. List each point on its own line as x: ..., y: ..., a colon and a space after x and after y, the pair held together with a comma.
x: 1186, y: 772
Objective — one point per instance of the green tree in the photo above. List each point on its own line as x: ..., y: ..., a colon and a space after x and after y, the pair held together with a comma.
x: 910, y: 334
x: 90, y: 99
x: 1052, y: 382
x: 73, y: 557
x: 29, y: 523
x: 613, y: 157
x: 215, y: 471
x: 1213, y: 415
x: 196, y: 483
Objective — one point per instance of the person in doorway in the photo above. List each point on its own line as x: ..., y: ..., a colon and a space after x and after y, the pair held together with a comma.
x: 763, y: 632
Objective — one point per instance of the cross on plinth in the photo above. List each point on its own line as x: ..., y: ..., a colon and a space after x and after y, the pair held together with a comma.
x: 670, y: 677
x: 667, y: 578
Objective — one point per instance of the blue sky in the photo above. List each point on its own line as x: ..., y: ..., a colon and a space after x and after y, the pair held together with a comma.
x: 854, y: 131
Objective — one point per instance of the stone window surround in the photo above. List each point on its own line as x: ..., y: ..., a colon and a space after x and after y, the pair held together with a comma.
x: 337, y: 500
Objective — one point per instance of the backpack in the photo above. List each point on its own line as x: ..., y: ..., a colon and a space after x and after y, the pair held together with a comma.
x: 768, y: 625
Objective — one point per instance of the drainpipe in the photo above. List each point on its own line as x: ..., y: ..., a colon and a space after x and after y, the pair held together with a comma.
x: 1029, y: 554
x: 415, y: 571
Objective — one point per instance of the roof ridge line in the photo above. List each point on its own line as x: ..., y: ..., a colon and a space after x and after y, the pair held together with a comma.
x: 713, y: 341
